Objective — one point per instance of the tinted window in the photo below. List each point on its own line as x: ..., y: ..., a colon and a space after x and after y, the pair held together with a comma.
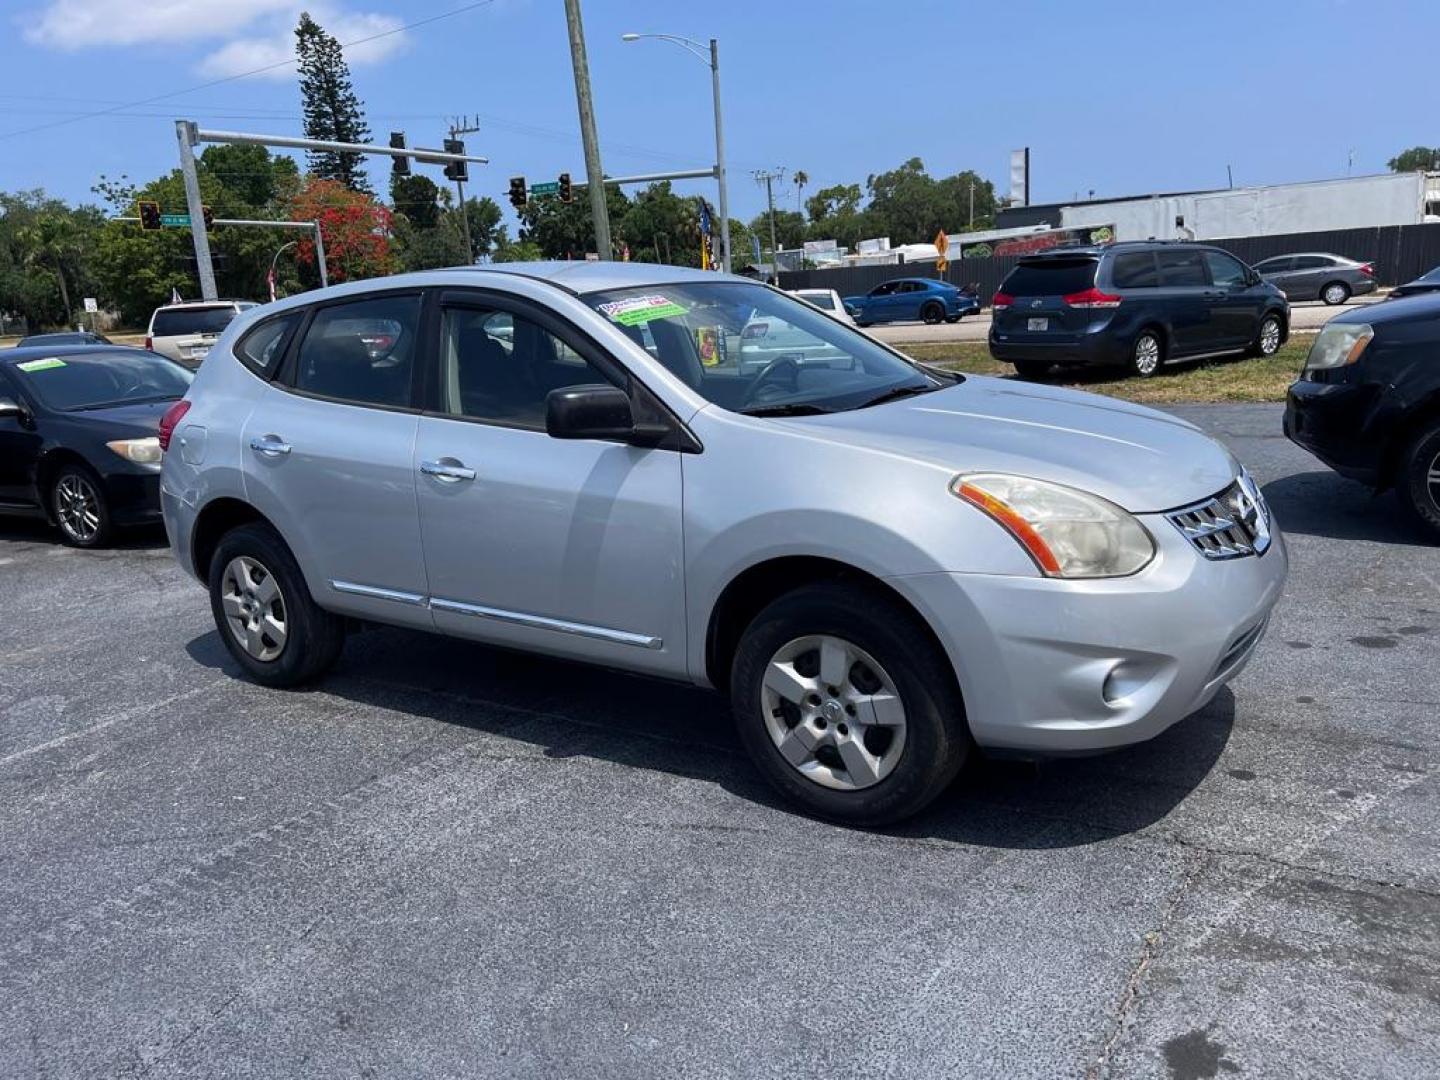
x: 91, y: 380
x: 1050, y: 277
x: 361, y: 351
x: 820, y: 300
x: 1181, y: 267
x: 912, y: 286
x: 1274, y: 266
x: 1312, y: 262
x: 1224, y: 269
x: 500, y: 367
x: 260, y: 349
x: 1134, y: 270
x: 885, y: 289
x: 173, y: 322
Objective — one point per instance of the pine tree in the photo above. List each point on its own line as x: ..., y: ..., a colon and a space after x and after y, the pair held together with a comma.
x: 332, y: 111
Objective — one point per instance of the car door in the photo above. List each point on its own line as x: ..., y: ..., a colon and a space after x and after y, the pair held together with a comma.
x: 19, y: 450
x: 1235, y: 305
x: 909, y: 298
x: 879, y: 302
x: 571, y: 547
x: 328, y: 455
x: 1307, y: 275
x: 1184, y: 284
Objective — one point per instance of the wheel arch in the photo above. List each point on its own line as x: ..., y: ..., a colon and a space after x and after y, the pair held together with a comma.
x: 1421, y: 418
x: 215, y: 519
x: 47, y: 468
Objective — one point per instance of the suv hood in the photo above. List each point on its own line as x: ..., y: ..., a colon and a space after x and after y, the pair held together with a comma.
x: 1138, y: 458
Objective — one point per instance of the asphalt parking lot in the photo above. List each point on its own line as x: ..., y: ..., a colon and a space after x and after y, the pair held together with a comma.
x: 450, y: 861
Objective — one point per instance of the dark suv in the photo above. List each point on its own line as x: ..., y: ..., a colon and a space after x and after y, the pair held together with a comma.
x: 1137, y: 305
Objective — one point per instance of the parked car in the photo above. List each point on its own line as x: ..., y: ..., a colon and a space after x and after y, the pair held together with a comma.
x: 1368, y: 402
x: 827, y: 300
x: 1318, y: 276
x: 911, y: 299
x: 78, y: 436
x: 64, y: 337
x: 884, y: 567
x: 1138, y: 305
x: 186, y: 331
x: 1427, y: 282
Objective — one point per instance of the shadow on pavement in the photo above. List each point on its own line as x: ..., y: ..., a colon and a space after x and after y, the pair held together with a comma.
x: 570, y: 709
x: 1324, y: 503
x: 35, y: 531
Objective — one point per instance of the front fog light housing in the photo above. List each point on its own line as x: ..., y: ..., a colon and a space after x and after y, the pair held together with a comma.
x: 1069, y: 533
x: 140, y: 451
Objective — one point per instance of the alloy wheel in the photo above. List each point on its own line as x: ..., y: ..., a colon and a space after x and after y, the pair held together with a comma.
x: 77, y: 508
x: 254, y: 607
x: 1147, y: 354
x: 1269, y: 337
x: 833, y: 712
x: 1432, y: 481
x: 1334, y: 294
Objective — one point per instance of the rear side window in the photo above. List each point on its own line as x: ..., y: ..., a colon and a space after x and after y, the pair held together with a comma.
x: 176, y: 322
x: 260, y: 350
x: 363, y: 351
x: 1312, y: 262
x: 1135, y: 270
x: 1184, y: 267
x: 1050, y: 277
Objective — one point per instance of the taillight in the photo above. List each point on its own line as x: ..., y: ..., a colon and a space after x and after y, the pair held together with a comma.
x: 1367, y: 269
x: 149, y: 342
x: 1002, y: 300
x: 170, y: 421
x: 1091, y: 298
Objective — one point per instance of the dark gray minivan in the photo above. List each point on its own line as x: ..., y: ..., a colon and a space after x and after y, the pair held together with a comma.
x: 1137, y: 305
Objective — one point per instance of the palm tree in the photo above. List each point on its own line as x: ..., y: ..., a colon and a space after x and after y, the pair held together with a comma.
x: 52, y: 244
x: 801, y: 179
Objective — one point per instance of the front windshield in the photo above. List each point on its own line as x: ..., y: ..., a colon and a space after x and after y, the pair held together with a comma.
x: 752, y: 349
x: 77, y: 381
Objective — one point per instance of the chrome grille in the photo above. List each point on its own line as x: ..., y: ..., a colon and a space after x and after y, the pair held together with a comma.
x: 1230, y: 525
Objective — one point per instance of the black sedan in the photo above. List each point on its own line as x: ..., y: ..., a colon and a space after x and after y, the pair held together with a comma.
x: 63, y: 337
x: 1368, y: 402
x: 1427, y: 282
x: 78, y: 443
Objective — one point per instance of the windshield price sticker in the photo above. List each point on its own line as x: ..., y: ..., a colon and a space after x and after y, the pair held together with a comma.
x: 641, y: 309
x: 41, y: 365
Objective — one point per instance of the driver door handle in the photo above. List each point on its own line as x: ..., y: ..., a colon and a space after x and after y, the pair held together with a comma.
x: 447, y: 470
x: 269, y: 445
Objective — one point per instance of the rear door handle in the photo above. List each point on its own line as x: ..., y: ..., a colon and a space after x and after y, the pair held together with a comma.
x: 270, y: 445
x: 447, y: 470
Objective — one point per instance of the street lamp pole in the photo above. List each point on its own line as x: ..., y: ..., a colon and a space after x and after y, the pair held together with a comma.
x: 712, y: 58
x: 273, y: 260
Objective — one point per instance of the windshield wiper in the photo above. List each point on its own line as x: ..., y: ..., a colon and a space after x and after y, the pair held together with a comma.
x: 793, y: 408
x: 895, y: 393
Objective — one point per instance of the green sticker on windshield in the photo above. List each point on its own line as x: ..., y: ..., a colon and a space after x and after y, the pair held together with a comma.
x: 641, y: 309
x: 49, y: 362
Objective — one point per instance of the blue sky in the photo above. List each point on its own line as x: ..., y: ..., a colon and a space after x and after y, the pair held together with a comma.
x: 1116, y: 96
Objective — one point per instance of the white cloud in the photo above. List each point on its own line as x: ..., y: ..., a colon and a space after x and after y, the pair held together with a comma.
x: 255, y: 33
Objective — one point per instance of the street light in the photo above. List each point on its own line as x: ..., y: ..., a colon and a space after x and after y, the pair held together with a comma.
x: 713, y: 59
x: 270, y: 277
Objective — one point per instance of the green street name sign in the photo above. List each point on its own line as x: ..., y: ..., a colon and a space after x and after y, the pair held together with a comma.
x: 175, y: 219
x: 549, y: 187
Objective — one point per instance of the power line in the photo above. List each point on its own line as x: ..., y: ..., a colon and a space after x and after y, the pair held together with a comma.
x: 244, y: 74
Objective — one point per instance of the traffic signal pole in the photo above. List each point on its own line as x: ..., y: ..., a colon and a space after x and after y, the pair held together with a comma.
x: 594, y: 174
x: 185, y: 132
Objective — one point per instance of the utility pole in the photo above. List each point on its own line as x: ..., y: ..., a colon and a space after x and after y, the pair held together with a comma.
x: 593, y: 172
x: 971, y: 226
x: 768, y: 177
x: 464, y: 126
x: 187, y: 134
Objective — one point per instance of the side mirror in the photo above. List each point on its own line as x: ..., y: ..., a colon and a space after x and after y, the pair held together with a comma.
x: 592, y: 411
x: 10, y: 408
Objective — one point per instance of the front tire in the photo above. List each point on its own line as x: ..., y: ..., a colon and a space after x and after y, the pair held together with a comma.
x: 1418, y: 481
x: 1147, y: 354
x: 932, y: 313
x: 1337, y: 292
x: 1267, y: 341
x: 77, y: 499
x: 264, y: 611
x: 847, y: 706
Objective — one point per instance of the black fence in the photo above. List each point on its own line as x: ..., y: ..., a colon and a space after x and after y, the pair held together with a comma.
x: 1398, y: 253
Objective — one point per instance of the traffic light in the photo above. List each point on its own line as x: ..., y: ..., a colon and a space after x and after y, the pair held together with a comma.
x: 564, y: 187
x: 456, y: 170
x: 399, y: 166
x: 149, y: 212
x: 517, y: 192
x: 209, y: 216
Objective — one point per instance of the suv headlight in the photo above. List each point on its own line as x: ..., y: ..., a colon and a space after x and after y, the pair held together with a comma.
x: 140, y: 451
x: 1069, y: 533
x: 1338, y: 344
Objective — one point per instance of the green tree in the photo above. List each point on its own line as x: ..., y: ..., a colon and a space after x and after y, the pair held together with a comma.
x: 332, y: 111
x: 487, y: 233
x: 801, y: 178
x: 251, y: 174
x: 417, y: 198
x: 566, y: 230
x: 45, y: 249
x: 1415, y: 159
x: 662, y: 227
x: 903, y: 203
x: 835, y: 214
x: 790, y: 228
x: 518, y: 251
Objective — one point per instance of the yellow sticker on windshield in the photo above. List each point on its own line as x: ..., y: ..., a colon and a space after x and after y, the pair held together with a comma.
x: 635, y: 310
x: 49, y: 362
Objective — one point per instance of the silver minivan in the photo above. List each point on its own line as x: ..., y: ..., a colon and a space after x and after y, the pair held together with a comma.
x: 883, y: 565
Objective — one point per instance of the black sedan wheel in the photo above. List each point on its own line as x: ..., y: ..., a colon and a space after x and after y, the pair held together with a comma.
x: 1419, y: 479
x: 77, y: 500
x: 932, y: 313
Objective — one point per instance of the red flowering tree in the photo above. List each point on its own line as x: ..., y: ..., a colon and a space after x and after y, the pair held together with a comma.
x: 356, y: 229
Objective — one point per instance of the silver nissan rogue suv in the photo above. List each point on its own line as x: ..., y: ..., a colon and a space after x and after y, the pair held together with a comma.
x: 882, y: 564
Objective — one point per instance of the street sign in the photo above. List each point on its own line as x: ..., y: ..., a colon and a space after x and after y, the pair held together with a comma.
x: 177, y: 220
x: 90, y: 305
x: 547, y: 187
x: 942, y: 248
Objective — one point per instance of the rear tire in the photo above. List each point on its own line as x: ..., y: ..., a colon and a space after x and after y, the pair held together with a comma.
x: 1031, y: 370
x: 1418, y: 481
x: 1336, y: 292
x: 77, y: 500
x: 932, y: 313
x: 809, y: 671
x: 1147, y: 354
x: 264, y: 611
